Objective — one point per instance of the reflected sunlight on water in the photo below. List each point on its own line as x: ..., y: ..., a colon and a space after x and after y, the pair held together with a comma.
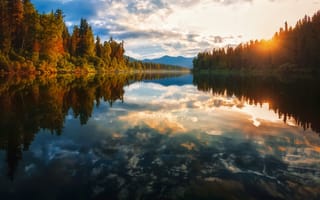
x: 177, y: 107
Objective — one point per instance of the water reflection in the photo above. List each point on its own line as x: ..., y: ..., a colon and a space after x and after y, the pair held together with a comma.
x: 29, y: 104
x: 156, y: 141
x: 295, y: 97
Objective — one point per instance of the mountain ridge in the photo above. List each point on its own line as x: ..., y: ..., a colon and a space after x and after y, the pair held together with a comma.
x: 172, y: 60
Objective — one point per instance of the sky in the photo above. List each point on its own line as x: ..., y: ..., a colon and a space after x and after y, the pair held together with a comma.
x: 154, y: 28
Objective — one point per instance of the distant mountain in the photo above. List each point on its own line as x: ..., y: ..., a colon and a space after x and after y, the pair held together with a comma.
x: 169, y: 60
x: 131, y: 59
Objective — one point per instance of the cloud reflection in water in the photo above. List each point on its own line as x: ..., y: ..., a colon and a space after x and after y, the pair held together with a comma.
x: 186, y: 107
x: 178, y: 142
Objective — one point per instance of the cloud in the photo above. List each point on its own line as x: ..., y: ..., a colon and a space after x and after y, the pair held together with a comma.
x: 141, y: 24
x: 230, y: 2
x: 147, y: 34
x: 145, y: 7
x: 173, y: 27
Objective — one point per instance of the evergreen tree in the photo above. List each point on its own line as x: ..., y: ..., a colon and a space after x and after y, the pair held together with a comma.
x: 15, y: 9
x: 5, y: 33
x: 74, y: 41
x: 30, y: 28
x: 98, y: 47
x: 85, y: 45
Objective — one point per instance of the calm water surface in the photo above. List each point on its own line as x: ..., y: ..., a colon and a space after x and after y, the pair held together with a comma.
x: 159, y: 137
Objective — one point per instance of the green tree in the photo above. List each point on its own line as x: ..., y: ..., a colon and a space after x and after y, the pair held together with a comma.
x: 86, y: 40
x: 98, y: 47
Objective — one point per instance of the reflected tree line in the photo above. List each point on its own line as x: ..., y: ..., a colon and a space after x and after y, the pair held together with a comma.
x: 295, y: 97
x: 34, y: 103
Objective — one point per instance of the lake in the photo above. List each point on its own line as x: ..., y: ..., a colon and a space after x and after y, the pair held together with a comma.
x: 159, y: 136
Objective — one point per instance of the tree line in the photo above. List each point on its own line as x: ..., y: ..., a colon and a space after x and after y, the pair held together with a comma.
x: 291, y: 48
x: 34, y: 42
x: 142, y: 66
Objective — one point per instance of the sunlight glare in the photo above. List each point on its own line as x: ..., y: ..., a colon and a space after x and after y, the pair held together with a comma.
x: 268, y: 46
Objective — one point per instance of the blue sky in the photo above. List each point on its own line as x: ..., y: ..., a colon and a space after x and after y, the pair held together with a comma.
x: 155, y: 28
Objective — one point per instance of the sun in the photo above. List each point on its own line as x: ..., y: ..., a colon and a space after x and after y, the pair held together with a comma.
x: 268, y: 45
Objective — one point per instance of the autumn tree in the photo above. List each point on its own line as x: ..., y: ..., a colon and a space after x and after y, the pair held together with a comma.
x: 51, y: 39
x: 43, y: 40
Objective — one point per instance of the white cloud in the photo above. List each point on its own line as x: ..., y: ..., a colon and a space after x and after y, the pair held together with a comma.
x: 153, y: 28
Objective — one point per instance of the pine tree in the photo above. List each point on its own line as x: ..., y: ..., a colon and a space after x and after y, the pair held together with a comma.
x: 98, y: 47
x: 74, y: 41
x: 86, y: 40
x: 5, y: 33
x: 15, y: 9
x: 30, y: 28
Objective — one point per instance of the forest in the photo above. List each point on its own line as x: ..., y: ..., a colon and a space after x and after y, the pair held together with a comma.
x: 41, y: 43
x: 291, y: 49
